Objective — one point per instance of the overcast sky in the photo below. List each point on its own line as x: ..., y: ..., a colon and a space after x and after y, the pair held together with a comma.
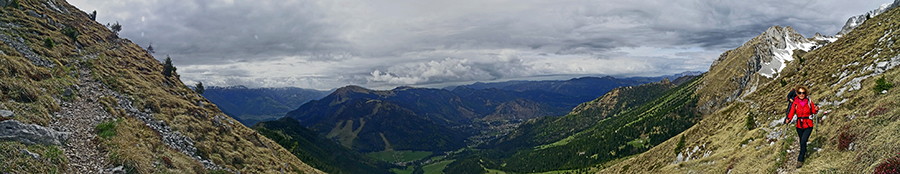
x: 324, y: 44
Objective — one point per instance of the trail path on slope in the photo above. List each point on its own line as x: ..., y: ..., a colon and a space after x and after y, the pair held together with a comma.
x: 790, y: 166
x: 80, y: 117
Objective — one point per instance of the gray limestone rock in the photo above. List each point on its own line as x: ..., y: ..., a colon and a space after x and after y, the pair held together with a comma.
x: 35, y: 14
x: 13, y: 130
x: 32, y: 154
x: 19, y: 45
x: 116, y: 170
x: 7, y: 113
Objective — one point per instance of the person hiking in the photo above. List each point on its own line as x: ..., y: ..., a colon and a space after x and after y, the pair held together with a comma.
x: 790, y: 98
x: 802, y: 107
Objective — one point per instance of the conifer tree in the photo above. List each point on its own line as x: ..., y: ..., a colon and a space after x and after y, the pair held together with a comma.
x: 168, y: 68
x: 116, y: 28
x: 199, y: 87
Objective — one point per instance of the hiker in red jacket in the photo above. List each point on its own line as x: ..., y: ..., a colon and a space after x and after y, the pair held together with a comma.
x: 803, y: 108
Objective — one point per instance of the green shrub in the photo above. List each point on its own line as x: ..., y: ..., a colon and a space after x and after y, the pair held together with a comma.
x: 199, y: 88
x: 881, y: 85
x: 71, y: 32
x: 48, y: 43
x: 13, y: 4
x: 106, y: 129
x: 680, y: 144
x: 751, y: 122
x: 168, y: 68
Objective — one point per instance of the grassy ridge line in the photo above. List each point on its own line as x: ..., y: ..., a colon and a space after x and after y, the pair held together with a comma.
x: 127, y: 69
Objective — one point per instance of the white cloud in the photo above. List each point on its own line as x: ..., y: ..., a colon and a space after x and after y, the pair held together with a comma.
x: 380, y: 44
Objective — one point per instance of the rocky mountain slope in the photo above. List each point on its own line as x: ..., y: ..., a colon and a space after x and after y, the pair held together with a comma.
x: 855, y: 21
x: 251, y: 105
x: 741, y: 131
x: 65, y: 74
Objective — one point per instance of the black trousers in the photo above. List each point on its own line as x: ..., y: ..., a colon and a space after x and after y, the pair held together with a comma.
x: 804, y: 137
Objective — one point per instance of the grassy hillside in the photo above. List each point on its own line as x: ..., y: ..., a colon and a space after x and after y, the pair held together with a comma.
x: 53, y: 57
x: 551, y: 129
x: 318, y: 151
x: 841, y: 76
x: 629, y: 132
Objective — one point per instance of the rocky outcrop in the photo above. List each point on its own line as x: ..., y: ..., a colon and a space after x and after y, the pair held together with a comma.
x: 755, y: 63
x: 13, y: 130
x: 7, y: 114
x: 855, y: 21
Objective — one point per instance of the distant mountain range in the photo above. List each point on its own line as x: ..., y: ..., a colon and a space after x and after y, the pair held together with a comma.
x: 251, y: 105
x: 370, y: 120
x: 577, y: 87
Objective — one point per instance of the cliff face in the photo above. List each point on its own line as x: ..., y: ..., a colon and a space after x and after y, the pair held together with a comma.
x: 63, y: 71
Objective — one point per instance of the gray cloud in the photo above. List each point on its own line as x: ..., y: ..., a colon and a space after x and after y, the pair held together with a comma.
x: 331, y: 43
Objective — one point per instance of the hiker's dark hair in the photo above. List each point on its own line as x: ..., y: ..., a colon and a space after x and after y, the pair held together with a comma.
x: 804, y: 90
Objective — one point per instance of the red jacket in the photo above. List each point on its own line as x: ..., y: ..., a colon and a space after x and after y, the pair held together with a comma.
x: 803, y: 108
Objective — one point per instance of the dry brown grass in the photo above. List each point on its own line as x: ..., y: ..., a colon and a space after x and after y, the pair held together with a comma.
x: 722, y: 131
x: 29, y: 91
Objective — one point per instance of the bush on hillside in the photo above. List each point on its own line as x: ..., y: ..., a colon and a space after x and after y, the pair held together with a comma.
x: 13, y: 4
x: 680, y: 145
x: 882, y: 85
x: 845, y: 138
x: 48, y: 43
x: 168, y: 68
x: 199, y: 88
x: 751, y: 122
x: 116, y: 28
x: 71, y: 32
x: 891, y: 165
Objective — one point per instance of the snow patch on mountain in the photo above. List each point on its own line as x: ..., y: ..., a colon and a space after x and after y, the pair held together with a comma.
x: 855, y: 21
x: 785, y: 41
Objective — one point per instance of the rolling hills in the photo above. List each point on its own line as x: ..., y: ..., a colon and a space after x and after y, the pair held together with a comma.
x: 250, y: 106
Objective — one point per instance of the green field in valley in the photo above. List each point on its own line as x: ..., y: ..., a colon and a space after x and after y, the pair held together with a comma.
x: 398, y: 156
x: 436, y: 168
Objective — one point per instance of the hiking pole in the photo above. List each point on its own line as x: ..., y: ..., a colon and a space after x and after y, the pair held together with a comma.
x: 815, y: 118
x: 784, y: 136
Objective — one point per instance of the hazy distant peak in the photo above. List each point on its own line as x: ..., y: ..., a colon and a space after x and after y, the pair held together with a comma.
x: 352, y: 89
x: 228, y: 87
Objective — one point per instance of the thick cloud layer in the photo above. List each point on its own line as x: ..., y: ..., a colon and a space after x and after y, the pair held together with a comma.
x: 381, y: 44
